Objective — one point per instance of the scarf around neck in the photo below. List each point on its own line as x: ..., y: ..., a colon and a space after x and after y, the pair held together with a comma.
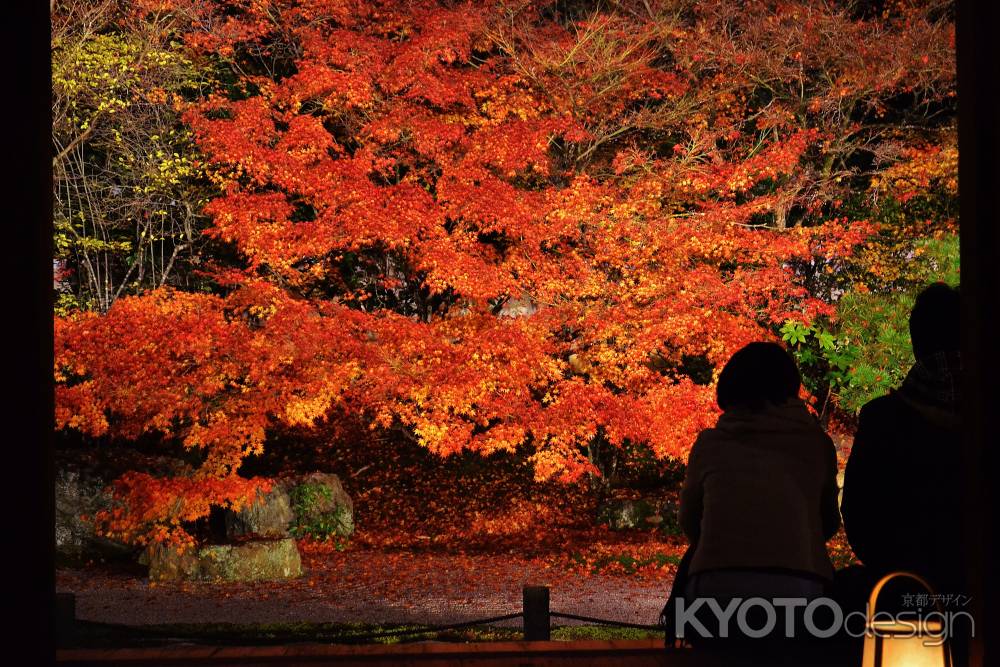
x: 933, y: 388
x: 935, y: 382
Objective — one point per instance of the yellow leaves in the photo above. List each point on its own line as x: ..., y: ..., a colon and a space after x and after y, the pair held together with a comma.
x: 262, y: 312
x: 432, y: 435
x: 419, y: 395
x: 547, y: 464
x: 921, y: 169
x: 306, y: 410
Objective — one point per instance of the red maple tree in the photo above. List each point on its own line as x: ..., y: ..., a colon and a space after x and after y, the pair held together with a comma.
x: 495, y: 225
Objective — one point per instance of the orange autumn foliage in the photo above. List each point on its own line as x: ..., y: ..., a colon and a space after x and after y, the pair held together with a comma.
x: 483, y: 227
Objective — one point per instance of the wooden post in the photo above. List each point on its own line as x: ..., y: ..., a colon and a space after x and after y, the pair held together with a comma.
x: 536, y: 613
x: 65, y: 618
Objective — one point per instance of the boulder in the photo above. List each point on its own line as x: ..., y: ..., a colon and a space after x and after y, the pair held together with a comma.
x: 840, y: 487
x: 79, y: 496
x: 269, y: 516
x: 82, y: 479
x: 523, y: 306
x: 321, y: 505
x: 256, y: 560
x: 625, y: 514
x: 578, y: 364
x: 315, y: 503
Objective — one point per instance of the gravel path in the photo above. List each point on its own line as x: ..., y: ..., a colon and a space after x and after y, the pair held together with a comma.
x: 370, y: 587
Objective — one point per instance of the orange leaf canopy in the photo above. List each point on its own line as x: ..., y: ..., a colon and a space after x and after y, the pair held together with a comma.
x: 475, y: 223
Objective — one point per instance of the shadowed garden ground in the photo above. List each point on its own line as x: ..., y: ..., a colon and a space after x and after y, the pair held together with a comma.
x: 437, y: 541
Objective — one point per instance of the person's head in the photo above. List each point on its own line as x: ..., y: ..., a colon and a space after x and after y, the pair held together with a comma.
x: 756, y: 375
x: 934, y: 321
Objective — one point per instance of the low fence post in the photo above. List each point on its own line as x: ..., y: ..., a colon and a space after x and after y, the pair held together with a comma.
x: 65, y: 613
x: 536, y: 613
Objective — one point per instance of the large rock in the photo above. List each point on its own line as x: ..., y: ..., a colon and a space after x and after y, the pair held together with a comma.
x: 523, y: 306
x: 312, y: 504
x: 269, y: 516
x: 628, y: 514
x: 840, y: 487
x: 81, y: 491
x: 321, y: 505
x: 79, y: 496
x: 257, y: 560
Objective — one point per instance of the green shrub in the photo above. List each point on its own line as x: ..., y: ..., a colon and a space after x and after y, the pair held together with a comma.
x: 867, y: 352
x: 306, y: 500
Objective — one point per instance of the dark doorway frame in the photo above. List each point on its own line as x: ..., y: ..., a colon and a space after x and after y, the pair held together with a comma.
x: 978, y: 49
x: 28, y: 456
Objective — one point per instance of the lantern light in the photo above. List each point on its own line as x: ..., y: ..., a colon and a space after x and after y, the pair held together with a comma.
x: 904, y: 642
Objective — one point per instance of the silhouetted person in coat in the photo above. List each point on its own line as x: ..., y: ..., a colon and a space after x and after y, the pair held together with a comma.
x: 759, y: 500
x: 903, y: 489
x: 902, y: 503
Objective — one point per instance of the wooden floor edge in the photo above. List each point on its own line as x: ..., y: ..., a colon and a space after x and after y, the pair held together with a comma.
x: 410, y: 650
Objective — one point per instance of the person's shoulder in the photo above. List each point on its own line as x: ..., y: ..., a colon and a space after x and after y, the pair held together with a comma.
x: 722, y: 432
x: 706, y: 438
x: 707, y: 442
x: 881, y: 408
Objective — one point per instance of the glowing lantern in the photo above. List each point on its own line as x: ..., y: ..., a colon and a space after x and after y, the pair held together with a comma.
x: 905, y: 640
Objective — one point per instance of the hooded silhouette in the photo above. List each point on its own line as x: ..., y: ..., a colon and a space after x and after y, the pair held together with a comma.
x: 902, y: 499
